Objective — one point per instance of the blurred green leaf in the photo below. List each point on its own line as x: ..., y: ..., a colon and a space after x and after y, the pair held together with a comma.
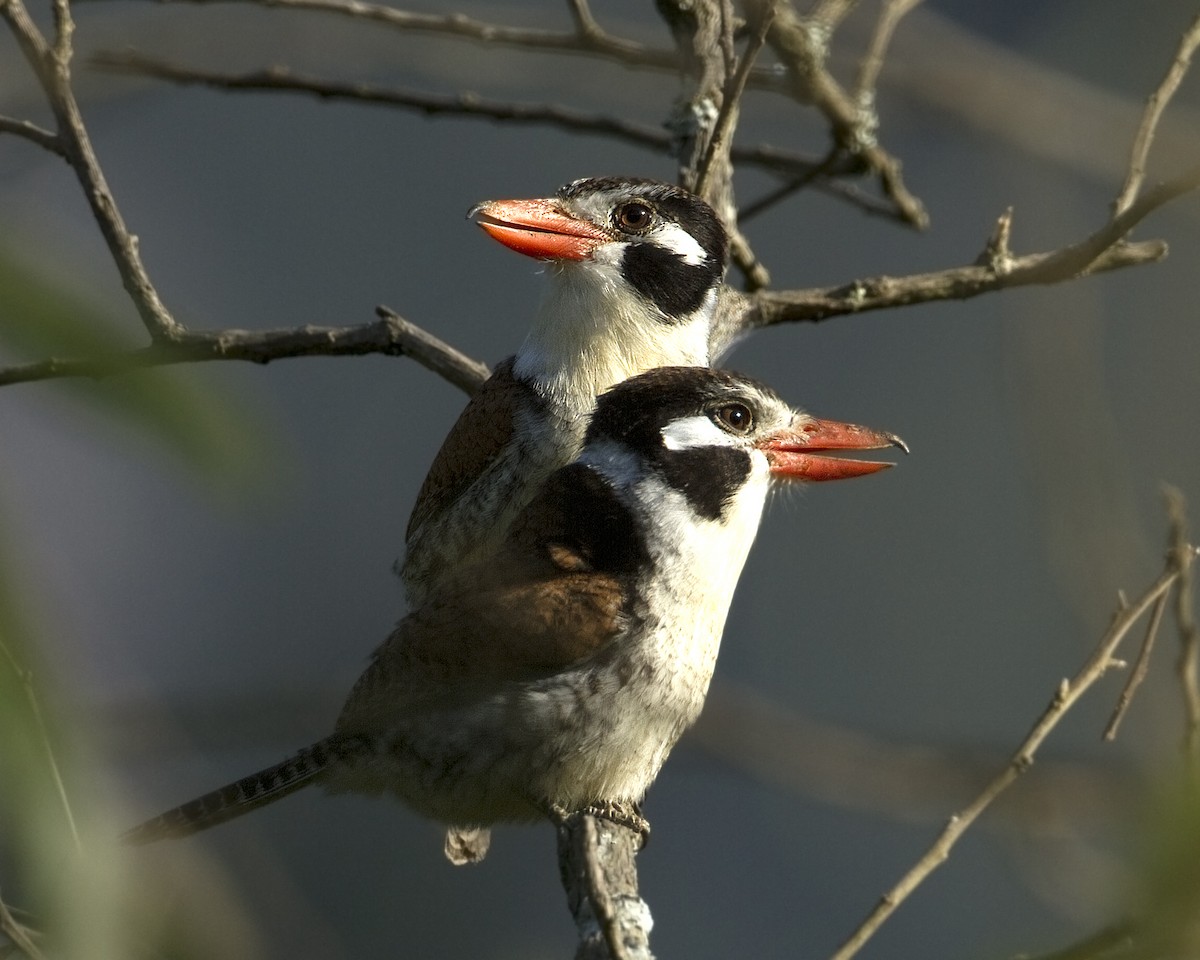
x: 1168, y: 894
x: 83, y: 896
x: 42, y: 318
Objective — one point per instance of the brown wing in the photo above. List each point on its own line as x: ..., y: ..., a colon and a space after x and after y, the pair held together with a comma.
x: 509, y: 620
x: 560, y: 590
x: 479, y: 434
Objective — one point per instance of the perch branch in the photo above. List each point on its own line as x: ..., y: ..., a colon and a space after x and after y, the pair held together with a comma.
x: 390, y: 335
x: 598, y: 868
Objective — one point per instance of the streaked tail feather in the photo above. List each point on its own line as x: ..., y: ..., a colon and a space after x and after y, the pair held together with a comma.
x: 252, y: 792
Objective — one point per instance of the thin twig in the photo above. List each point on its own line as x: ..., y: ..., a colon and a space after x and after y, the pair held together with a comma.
x: 721, y: 140
x: 581, y: 13
x: 390, y: 335
x: 52, y: 67
x: 1140, y: 668
x: 589, y: 40
x: 1188, y: 665
x: 282, y: 79
x: 802, y: 50
x: 769, y: 307
x: 728, y: 18
x: 1069, y: 691
x: 46, y: 139
x: 830, y: 13
x: 832, y: 160
x: 593, y: 40
x: 868, y: 72
x: 1100, y: 251
x: 1155, y: 106
x: 64, y: 31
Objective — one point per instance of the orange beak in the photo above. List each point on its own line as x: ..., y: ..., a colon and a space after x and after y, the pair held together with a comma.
x: 538, y: 228
x: 793, y: 451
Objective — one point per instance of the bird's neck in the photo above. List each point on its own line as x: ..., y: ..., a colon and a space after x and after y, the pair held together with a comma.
x: 692, y: 555
x: 592, y: 331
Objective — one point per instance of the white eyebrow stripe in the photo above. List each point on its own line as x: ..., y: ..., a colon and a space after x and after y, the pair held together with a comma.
x: 672, y: 236
x: 688, y: 433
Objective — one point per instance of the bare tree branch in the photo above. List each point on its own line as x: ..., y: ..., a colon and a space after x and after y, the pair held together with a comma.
x: 390, y: 335
x: 803, y: 51
x: 591, y: 40
x: 597, y: 864
x: 1155, y: 106
x: 282, y: 79
x: 1103, y: 250
x: 52, y: 65
x: 46, y: 139
x: 1069, y: 691
x: 769, y: 307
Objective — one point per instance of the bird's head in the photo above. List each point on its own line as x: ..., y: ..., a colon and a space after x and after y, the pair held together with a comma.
x: 719, y: 439
x: 636, y: 266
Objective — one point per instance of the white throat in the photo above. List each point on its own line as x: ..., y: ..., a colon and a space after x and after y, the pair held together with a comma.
x: 592, y: 331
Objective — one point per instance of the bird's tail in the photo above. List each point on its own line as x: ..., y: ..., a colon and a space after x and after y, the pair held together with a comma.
x: 252, y: 792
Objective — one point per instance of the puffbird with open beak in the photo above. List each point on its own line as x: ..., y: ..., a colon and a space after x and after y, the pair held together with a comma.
x: 633, y: 268
x: 556, y: 676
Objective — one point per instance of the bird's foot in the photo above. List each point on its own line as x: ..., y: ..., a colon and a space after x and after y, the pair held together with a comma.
x: 625, y: 813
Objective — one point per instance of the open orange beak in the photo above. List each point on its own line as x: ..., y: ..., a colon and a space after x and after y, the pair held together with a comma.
x: 538, y: 228
x: 794, y: 452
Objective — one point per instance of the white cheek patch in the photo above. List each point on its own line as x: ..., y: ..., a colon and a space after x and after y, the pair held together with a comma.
x: 681, y: 243
x: 688, y: 433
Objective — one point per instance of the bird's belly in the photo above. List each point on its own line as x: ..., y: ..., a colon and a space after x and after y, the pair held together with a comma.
x: 599, y: 731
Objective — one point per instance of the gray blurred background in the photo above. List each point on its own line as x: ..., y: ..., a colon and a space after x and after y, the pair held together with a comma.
x: 891, y: 639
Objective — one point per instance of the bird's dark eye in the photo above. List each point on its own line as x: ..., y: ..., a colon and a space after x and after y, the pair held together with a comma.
x: 635, y: 216
x: 734, y: 417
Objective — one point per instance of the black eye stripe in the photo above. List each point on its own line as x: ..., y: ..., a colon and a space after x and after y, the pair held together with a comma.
x: 663, y: 277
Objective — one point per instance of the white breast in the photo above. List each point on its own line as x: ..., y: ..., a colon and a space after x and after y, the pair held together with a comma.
x: 655, y: 688
x: 592, y: 331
